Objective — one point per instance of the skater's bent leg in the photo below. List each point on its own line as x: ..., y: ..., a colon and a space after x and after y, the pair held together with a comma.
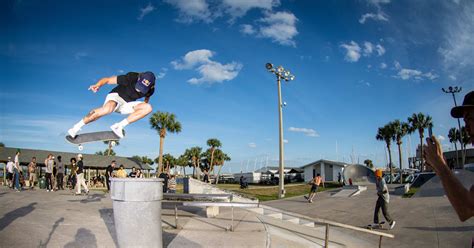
x: 385, y: 212
x: 140, y: 111
x: 99, y: 112
x: 377, y: 209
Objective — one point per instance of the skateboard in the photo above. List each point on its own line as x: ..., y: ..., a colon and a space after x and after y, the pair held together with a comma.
x: 91, y: 137
x: 379, y: 226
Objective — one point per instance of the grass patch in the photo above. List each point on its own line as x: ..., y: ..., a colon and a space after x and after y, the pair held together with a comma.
x: 410, y: 193
x: 267, y: 193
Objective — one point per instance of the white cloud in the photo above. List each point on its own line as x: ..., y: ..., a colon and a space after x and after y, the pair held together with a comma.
x: 285, y: 141
x: 247, y: 29
x: 162, y: 73
x: 80, y: 55
x: 377, y: 2
x: 190, y: 11
x: 380, y: 16
x: 280, y: 27
x: 441, y: 138
x: 238, y: 8
x: 380, y: 50
x: 210, y: 71
x: 120, y: 71
x: 193, y: 58
x: 145, y: 11
x: 252, y: 145
x: 308, y: 131
x: 417, y: 75
x: 452, y: 77
x: 352, y: 51
x: 383, y: 65
x: 368, y: 48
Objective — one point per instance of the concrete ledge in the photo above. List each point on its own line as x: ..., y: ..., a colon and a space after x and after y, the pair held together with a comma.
x: 212, y: 211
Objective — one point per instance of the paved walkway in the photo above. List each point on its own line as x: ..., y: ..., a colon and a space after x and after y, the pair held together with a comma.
x: 421, y: 222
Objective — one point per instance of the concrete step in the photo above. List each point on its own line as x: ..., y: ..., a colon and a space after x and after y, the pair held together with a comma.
x: 256, y: 210
x: 291, y: 219
x: 273, y: 214
x: 307, y: 223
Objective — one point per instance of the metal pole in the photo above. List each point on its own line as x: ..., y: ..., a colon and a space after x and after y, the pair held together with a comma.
x: 326, y: 239
x: 281, y: 192
x: 232, y: 223
x: 175, y: 216
x: 463, y: 152
x: 380, y: 242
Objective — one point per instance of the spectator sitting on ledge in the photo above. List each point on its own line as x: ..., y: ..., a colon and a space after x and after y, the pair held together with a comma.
x: 121, y: 173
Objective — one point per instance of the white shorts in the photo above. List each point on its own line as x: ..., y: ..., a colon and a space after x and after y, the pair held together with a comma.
x: 123, y: 107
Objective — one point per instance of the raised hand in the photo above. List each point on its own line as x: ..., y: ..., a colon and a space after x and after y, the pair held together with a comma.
x: 94, y: 88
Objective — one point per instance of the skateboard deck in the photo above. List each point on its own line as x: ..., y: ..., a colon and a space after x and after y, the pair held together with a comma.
x: 91, y: 137
x: 380, y: 226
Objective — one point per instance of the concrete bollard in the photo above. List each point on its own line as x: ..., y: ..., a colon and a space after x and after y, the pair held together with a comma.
x: 137, y: 211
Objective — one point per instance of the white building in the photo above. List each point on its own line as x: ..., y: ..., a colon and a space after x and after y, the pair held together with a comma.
x: 329, y: 170
x: 250, y: 177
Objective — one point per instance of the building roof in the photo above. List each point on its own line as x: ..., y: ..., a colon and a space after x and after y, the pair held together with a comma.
x: 90, y: 160
x: 342, y: 164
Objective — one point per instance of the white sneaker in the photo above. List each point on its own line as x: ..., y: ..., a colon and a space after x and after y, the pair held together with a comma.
x: 117, y: 129
x: 73, y: 132
x: 392, y: 225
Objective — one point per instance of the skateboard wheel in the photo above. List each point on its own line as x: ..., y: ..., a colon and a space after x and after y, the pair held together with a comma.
x: 80, y: 147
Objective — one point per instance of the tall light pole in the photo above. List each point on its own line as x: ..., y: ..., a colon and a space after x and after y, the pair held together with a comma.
x: 280, y: 73
x: 453, y: 90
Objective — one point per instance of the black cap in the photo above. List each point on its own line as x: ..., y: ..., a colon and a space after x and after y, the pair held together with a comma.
x: 467, y: 104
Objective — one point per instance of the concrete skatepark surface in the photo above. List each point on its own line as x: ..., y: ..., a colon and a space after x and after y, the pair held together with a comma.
x: 434, y: 187
x: 59, y: 219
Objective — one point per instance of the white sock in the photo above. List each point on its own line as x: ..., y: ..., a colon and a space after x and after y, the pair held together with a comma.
x: 124, y: 123
x: 79, y: 125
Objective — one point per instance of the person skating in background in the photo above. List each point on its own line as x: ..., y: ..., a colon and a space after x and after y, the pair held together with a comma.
x: 315, y: 182
x: 60, y: 173
x: 80, y: 176
x: 48, y: 163
x: 122, y: 99
x: 383, y: 198
x: 32, y: 172
x: 461, y: 198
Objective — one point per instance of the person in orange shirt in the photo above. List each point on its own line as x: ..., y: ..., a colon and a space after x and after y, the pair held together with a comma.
x: 315, y: 182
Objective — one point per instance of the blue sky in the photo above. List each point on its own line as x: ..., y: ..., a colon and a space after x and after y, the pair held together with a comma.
x: 358, y: 65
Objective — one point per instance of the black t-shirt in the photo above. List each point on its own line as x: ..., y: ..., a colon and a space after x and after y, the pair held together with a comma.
x: 80, y: 167
x: 126, y: 87
x: 109, y: 171
x: 132, y: 174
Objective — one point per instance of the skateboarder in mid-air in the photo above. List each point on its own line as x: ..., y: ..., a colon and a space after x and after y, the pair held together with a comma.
x: 122, y: 99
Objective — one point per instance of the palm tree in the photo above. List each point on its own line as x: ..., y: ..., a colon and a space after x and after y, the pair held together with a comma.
x: 111, y: 143
x: 164, y: 122
x: 400, y: 130
x: 169, y: 161
x: 183, y: 162
x: 454, y: 137
x: 420, y: 122
x: 1, y: 144
x: 385, y: 133
x: 194, y: 155
x: 369, y: 163
x: 221, y: 158
x: 466, y: 140
x: 213, y: 143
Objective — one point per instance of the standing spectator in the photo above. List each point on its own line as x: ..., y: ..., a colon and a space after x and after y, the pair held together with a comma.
x: 165, y: 178
x: 16, y: 170
x: 382, y: 200
x: 53, y: 176
x: 49, y: 162
x: 133, y: 173
x: 461, y: 198
x: 72, y: 175
x: 315, y: 182
x: 172, y: 184
x: 139, y: 173
x: 109, y: 173
x: 121, y: 173
x: 32, y: 172
x: 80, y: 176
x: 206, y: 176
x: 10, y: 171
x: 60, y: 175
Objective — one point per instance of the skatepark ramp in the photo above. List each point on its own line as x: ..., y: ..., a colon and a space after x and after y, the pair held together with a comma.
x: 433, y: 187
x: 350, y: 191
x: 358, y: 175
x: 324, y: 233
x: 193, y: 186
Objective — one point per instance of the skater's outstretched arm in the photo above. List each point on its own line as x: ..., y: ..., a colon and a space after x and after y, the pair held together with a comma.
x: 103, y: 81
x: 461, y: 198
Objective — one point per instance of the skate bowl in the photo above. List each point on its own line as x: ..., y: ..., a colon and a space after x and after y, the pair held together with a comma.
x: 434, y: 187
x: 359, y: 175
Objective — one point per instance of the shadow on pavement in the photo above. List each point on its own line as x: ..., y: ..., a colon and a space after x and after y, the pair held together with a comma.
x: 107, y: 215
x: 1, y: 194
x: 56, y: 224
x: 9, y: 217
x: 445, y: 229
x: 84, y: 238
x: 90, y: 198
